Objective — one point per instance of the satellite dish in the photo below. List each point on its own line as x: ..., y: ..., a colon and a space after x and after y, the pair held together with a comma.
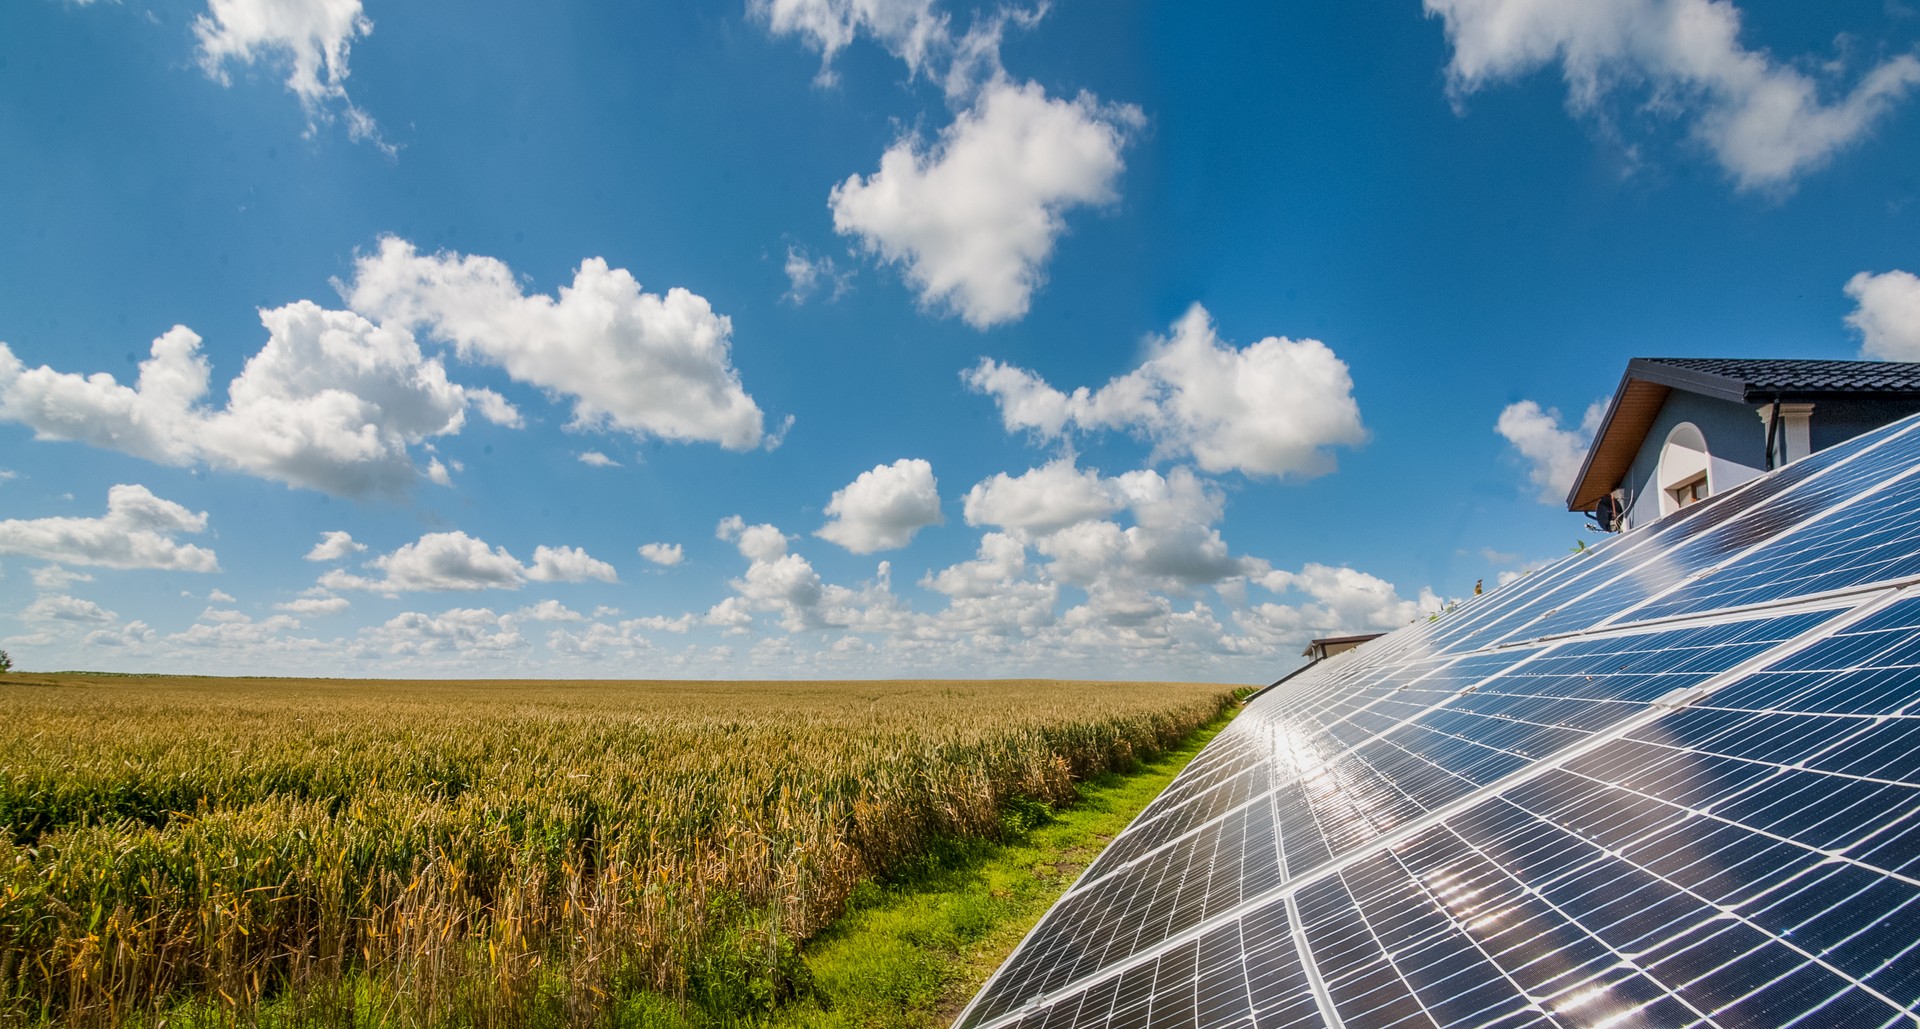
x: 1606, y: 514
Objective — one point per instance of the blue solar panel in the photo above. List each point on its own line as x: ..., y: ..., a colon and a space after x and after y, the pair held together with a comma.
x: 1672, y: 782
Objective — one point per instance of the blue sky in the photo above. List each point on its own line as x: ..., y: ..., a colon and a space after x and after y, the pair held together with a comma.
x: 832, y: 338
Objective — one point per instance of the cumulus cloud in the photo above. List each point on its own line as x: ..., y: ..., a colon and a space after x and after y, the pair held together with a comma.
x: 234, y: 630
x: 568, y: 564
x: 882, y: 508
x: 1066, y: 515
x: 808, y: 275
x: 644, y: 363
x: 668, y: 554
x: 1172, y: 544
x: 973, y: 218
x: 1349, y: 600
x: 459, y: 631
x: 138, y: 531
x: 1275, y: 408
x: 908, y: 29
x: 58, y: 608
x: 775, y: 579
x: 1553, y: 454
x: 1765, y: 122
x: 53, y: 578
x: 333, y: 546
x: 312, y: 37
x: 57, y: 618
x: 332, y: 402
x: 495, y: 408
x: 315, y: 607
x: 457, y: 561
x: 597, y: 459
x: 1042, y: 500
x: 1886, y: 314
x: 550, y: 611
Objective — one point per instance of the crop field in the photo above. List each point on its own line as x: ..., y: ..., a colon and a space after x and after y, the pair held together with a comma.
x: 347, y: 852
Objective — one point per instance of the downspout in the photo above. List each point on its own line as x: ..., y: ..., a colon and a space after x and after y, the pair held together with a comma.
x: 1773, y: 432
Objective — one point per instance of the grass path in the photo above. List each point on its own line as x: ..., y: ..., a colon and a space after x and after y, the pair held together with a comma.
x: 909, y: 954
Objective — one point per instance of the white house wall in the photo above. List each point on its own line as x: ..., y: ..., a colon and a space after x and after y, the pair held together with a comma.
x: 1736, y: 449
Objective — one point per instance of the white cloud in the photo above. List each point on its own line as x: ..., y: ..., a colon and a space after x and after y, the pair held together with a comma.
x: 333, y: 546
x: 643, y: 363
x: 1765, y: 122
x: 495, y: 408
x: 137, y: 531
x: 568, y: 564
x: 331, y: 402
x: 775, y: 580
x: 597, y: 459
x: 1042, y: 500
x: 974, y: 218
x: 1275, y: 408
x: 58, y: 608
x: 809, y: 275
x: 315, y: 607
x: 1887, y: 315
x: 54, y: 578
x: 220, y: 597
x: 663, y: 553
x: 1553, y: 454
x: 1172, y: 544
x: 1001, y: 560
x: 236, y: 631
x: 909, y: 29
x: 1341, y: 601
x: 457, y: 561
x: 550, y: 611
x: 882, y: 508
x: 312, y: 36
x: 459, y: 631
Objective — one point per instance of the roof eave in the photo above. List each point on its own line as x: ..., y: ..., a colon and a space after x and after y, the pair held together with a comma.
x: 1635, y: 404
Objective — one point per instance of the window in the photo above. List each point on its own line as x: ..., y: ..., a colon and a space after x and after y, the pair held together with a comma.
x: 1683, y: 476
x: 1692, y: 491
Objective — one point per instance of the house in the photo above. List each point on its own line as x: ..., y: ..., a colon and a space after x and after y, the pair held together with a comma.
x: 1679, y: 430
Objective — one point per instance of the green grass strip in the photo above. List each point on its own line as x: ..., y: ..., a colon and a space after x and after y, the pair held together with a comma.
x: 911, y: 952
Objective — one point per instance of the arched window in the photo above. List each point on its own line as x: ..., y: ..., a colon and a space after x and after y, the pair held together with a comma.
x: 1682, y: 475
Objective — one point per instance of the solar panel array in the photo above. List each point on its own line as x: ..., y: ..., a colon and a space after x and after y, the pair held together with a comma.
x: 1671, y: 781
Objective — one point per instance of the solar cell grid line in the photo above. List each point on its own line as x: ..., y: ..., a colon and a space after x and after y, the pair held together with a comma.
x: 1838, y: 623
x: 1503, y: 949
x: 1876, y: 538
x: 1548, y: 959
x: 1229, y: 979
x: 1239, y: 752
x: 1573, y: 892
x: 1140, y: 907
x: 1755, y: 513
x: 1251, y: 787
x: 1361, y: 972
x: 1695, y: 957
x: 1444, y: 752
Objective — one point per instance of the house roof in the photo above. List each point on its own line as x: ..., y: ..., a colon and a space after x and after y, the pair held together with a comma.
x: 1330, y: 641
x: 1643, y: 391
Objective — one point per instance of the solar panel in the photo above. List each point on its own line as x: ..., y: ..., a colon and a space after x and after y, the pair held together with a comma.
x: 1674, y: 781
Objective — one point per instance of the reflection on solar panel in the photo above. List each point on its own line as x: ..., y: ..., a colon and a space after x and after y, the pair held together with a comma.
x: 1673, y: 781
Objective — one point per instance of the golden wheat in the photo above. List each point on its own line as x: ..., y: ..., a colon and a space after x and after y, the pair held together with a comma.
x: 493, y: 853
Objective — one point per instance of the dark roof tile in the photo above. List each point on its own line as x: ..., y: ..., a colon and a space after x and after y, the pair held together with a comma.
x: 1789, y: 376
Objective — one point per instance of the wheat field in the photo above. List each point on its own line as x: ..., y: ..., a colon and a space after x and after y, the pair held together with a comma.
x: 349, y: 852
